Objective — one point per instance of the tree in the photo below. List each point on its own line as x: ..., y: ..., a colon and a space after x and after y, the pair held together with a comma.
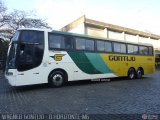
x: 2, y: 14
x: 10, y: 22
x: 4, y: 19
x: 3, y: 53
x: 21, y: 19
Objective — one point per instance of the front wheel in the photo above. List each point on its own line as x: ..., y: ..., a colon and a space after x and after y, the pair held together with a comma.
x: 131, y: 73
x: 56, y: 79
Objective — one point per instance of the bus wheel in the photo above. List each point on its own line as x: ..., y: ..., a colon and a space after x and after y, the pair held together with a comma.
x: 139, y: 73
x: 131, y: 73
x: 56, y: 79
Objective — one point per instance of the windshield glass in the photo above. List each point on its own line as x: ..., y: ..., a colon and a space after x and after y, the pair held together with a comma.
x: 11, y: 56
x: 25, y: 50
x: 32, y: 37
x: 15, y: 36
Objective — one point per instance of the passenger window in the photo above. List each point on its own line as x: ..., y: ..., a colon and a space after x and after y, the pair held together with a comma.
x: 90, y: 45
x: 108, y: 47
x: 55, y: 41
x: 119, y: 47
x: 150, y: 50
x: 80, y: 44
x: 143, y: 50
x: 67, y: 43
x: 132, y: 49
x: 100, y: 46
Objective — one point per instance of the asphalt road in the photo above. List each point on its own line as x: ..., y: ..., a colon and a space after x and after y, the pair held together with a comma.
x: 119, y: 96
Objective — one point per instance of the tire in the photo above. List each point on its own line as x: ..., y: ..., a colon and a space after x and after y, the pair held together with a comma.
x: 139, y: 73
x: 56, y: 79
x: 131, y: 73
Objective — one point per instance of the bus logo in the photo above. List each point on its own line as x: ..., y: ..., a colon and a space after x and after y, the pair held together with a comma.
x: 58, y: 57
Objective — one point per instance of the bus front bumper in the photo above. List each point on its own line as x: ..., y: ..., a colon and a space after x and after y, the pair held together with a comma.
x: 11, y: 77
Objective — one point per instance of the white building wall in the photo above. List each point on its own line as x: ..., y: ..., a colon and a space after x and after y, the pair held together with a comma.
x: 144, y: 40
x: 131, y: 38
x: 97, y: 32
x: 116, y: 35
x: 80, y: 29
x: 105, y: 33
x: 156, y: 43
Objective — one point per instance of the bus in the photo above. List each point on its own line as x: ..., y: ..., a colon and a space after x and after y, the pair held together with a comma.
x: 38, y: 56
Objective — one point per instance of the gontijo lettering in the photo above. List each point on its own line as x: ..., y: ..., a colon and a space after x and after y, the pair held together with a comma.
x: 121, y: 58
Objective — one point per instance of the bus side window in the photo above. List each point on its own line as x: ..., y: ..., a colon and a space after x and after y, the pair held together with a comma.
x: 67, y: 42
x: 150, y: 50
x: 80, y: 44
x: 55, y: 41
x: 132, y: 49
x: 108, y: 47
x: 119, y: 47
x: 100, y: 46
x: 90, y: 45
x: 143, y: 50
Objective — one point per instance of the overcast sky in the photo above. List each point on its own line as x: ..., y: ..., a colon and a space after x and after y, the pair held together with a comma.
x: 137, y: 14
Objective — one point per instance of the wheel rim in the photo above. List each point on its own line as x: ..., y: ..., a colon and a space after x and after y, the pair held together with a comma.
x: 132, y: 75
x: 139, y: 73
x: 57, y: 79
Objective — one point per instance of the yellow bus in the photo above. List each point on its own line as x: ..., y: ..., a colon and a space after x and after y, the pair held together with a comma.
x: 44, y: 56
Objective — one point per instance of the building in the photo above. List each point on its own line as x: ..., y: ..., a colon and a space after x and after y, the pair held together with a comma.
x: 91, y: 27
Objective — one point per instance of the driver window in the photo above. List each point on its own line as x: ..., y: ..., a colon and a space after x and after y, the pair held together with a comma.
x: 25, y: 57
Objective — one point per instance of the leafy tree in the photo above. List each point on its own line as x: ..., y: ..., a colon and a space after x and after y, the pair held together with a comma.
x: 2, y: 14
x: 3, y: 53
x: 10, y: 22
x: 21, y: 19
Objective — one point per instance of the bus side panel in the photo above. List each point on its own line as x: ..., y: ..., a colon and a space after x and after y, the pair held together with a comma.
x: 89, y: 66
x: 120, y: 65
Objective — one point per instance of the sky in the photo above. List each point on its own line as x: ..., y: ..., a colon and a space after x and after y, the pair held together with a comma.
x: 136, y: 14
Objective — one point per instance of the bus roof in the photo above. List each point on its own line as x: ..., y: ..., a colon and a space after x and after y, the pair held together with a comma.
x: 85, y: 36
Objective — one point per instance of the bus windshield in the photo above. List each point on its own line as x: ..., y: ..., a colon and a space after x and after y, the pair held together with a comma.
x: 15, y: 36
x: 11, y: 55
x: 26, y: 50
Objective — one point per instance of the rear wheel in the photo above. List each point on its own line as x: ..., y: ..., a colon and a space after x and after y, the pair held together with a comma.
x: 139, y: 73
x: 56, y: 79
x: 131, y: 73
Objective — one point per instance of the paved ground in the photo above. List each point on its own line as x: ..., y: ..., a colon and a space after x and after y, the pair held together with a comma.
x: 120, y: 96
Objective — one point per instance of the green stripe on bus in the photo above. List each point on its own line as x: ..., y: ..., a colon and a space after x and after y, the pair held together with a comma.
x: 97, y: 61
x: 83, y: 63
x: 90, y: 63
